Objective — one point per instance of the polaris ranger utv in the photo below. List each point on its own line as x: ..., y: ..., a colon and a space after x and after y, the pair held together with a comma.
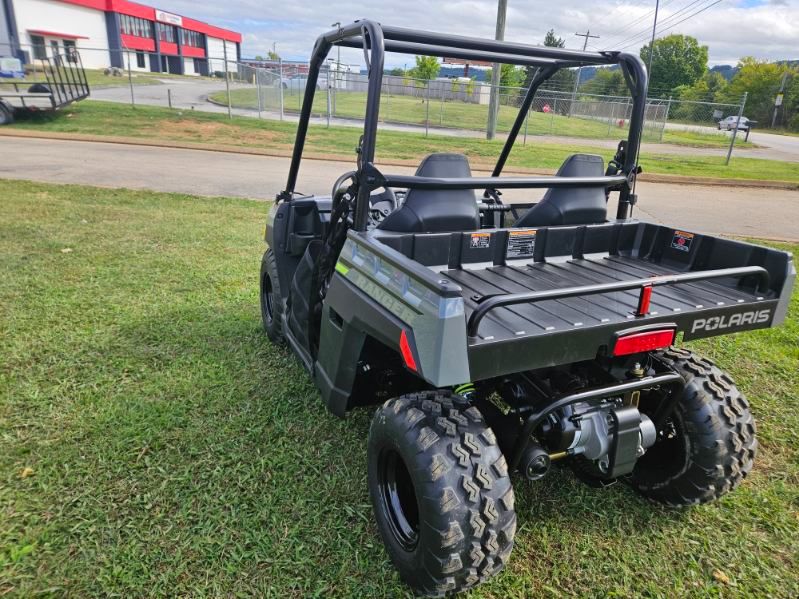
x: 495, y: 349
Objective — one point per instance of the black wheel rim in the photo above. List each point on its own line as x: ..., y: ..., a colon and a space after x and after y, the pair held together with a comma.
x: 669, y: 453
x: 399, y: 499
x: 267, y: 299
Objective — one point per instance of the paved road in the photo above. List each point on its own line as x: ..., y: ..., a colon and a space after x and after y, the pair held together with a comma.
x: 712, y: 209
x: 193, y: 95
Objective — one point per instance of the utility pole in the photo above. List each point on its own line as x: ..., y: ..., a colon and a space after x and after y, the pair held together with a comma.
x: 586, y: 35
x: 778, y: 99
x: 652, y: 43
x: 337, y: 76
x: 496, y: 73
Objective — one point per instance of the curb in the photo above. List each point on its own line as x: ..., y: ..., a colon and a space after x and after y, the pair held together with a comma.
x: 135, y: 141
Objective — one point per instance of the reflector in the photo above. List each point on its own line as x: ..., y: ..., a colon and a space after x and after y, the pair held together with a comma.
x: 643, y: 342
x: 407, y: 354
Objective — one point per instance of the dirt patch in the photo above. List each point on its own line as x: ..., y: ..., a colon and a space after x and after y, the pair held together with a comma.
x: 218, y: 132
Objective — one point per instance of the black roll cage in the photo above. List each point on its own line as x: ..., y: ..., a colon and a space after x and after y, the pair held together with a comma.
x: 376, y: 39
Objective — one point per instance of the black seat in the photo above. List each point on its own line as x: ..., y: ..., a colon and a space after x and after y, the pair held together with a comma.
x: 437, y: 210
x: 571, y: 206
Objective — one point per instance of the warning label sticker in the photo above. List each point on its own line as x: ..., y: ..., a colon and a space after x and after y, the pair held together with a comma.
x: 480, y: 240
x: 521, y: 243
x: 682, y: 241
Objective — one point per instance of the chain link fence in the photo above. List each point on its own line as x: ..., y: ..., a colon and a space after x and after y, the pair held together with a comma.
x: 275, y: 90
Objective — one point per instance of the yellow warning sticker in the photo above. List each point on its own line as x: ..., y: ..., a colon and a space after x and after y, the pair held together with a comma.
x: 521, y: 243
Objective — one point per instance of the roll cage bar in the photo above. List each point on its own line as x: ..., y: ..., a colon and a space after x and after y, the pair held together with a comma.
x: 375, y: 40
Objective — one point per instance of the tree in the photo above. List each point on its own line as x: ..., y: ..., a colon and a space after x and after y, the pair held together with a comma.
x: 709, y: 88
x: 790, y: 115
x: 607, y: 82
x: 761, y: 81
x: 553, y: 41
x: 397, y: 72
x: 509, y: 76
x: 676, y: 60
x: 427, y: 68
x: 258, y: 57
x: 273, y: 55
x: 563, y: 79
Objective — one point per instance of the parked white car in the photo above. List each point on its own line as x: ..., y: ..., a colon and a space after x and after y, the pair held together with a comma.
x: 298, y: 83
x: 728, y: 124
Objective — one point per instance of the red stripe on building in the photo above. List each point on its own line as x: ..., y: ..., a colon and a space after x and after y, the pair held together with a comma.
x: 168, y: 48
x: 148, y: 12
x: 192, y: 52
x: 207, y: 29
x: 132, y: 42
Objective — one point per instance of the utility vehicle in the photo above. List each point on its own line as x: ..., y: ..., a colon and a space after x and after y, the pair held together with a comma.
x: 495, y: 349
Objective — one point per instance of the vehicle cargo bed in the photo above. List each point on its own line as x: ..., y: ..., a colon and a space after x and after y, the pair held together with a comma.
x: 607, y: 278
x: 567, y: 314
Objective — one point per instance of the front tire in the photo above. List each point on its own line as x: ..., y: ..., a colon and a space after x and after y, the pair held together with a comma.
x: 441, y: 492
x: 271, y: 299
x: 708, y: 444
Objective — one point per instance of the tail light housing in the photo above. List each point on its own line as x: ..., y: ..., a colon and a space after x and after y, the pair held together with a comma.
x: 638, y: 341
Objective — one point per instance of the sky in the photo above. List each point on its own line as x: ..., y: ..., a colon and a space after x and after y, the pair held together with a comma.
x: 766, y: 29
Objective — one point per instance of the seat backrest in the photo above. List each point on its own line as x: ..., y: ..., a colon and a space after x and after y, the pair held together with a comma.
x: 571, y: 206
x: 437, y: 210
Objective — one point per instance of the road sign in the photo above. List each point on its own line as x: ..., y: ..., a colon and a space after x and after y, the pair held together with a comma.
x: 778, y: 99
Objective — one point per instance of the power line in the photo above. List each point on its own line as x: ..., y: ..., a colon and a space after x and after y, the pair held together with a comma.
x: 619, y: 41
x: 669, y: 25
x: 640, y: 19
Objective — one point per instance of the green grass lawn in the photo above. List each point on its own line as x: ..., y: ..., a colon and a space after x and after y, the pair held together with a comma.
x: 195, y: 127
x: 153, y: 443
x: 462, y: 115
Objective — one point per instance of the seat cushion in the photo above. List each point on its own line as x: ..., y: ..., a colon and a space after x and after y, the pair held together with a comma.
x: 437, y: 210
x: 571, y: 206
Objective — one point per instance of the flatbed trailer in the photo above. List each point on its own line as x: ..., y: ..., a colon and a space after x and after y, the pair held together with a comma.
x: 62, y: 82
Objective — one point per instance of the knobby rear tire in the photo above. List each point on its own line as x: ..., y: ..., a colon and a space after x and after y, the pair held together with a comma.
x: 709, y: 446
x: 461, y: 507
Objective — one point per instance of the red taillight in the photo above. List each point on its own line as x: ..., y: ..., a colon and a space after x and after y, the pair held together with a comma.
x: 637, y: 343
x: 407, y: 353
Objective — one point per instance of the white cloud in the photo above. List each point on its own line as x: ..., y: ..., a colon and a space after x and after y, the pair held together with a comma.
x: 766, y: 29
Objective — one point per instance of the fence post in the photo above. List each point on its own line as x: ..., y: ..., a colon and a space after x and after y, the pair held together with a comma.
x: 227, y: 80
x: 280, y: 66
x: 526, y: 120
x: 441, y: 108
x: 737, y: 124
x: 665, y: 119
x: 328, y: 105
x: 130, y: 82
x: 169, y: 96
x: 612, y: 116
x: 258, y: 91
x: 427, y: 110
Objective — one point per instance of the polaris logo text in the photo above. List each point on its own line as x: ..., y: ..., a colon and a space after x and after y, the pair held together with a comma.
x: 726, y: 322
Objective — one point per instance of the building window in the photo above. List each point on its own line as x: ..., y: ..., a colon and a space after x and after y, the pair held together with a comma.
x: 166, y: 33
x: 140, y: 59
x: 70, y: 51
x: 135, y: 26
x: 191, y: 38
x: 39, y: 49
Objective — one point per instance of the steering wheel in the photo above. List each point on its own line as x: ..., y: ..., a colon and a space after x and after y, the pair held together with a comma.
x: 381, y: 205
